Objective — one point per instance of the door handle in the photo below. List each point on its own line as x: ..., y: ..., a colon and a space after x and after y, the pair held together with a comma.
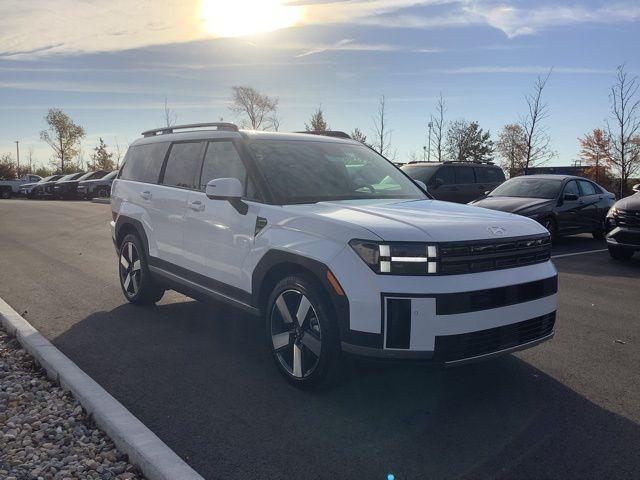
x: 146, y: 195
x: 197, y: 206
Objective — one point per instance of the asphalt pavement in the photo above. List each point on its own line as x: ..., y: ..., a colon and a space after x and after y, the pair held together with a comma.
x: 201, y: 377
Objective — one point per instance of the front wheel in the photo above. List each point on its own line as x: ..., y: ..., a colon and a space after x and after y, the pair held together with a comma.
x: 620, y: 253
x: 301, y: 333
x: 135, y: 279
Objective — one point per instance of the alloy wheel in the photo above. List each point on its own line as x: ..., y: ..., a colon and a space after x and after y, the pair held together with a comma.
x: 130, y: 269
x: 296, y: 334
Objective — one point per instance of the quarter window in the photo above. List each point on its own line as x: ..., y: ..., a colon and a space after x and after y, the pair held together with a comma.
x: 489, y: 175
x: 144, y: 162
x: 183, y: 165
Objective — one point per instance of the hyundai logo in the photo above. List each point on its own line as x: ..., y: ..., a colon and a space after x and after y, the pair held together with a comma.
x: 497, y: 230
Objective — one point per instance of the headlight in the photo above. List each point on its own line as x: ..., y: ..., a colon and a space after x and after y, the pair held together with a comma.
x: 612, y: 211
x: 397, y: 258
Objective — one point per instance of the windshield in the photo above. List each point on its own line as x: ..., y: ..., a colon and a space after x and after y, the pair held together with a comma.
x: 529, y: 188
x: 111, y: 175
x: 66, y: 177
x: 313, y: 171
x: 46, y: 179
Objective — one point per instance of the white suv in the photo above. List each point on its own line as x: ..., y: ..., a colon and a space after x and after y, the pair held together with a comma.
x: 337, y: 249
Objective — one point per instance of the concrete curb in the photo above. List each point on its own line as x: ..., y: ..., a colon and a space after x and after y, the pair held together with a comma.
x: 106, y: 201
x: 145, y: 450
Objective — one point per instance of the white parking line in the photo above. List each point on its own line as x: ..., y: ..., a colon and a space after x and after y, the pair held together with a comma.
x: 578, y: 253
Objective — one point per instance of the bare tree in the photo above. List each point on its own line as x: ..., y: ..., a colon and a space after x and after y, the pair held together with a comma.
x: 439, y: 127
x: 381, y: 133
x: 63, y: 136
x: 118, y: 152
x: 257, y: 107
x: 624, y: 134
x: 274, y: 121
x: 317, y: 123
x: 169, y: 117
x: 512, y: 147
x: 538, y: 141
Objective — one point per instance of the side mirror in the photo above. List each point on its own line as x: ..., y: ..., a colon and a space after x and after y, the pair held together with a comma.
x: 421, y: 184
x: 636, y: 187
x: 227, y: 189
x: 486, y: 194
x: 570, y: 197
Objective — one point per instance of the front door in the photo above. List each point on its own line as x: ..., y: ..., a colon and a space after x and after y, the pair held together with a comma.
x: 220, y: 237
x: 571, y: 216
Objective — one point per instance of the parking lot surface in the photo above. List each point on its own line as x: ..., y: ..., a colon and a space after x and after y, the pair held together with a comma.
x: 202, y: 379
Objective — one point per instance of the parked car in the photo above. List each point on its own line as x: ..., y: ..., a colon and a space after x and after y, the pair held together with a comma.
x: 623, y: 226
x: 40, y: 189
x: 8, y: 188
x: 459, y: 182
x: 563, y: 204
x: 278, y: 225
x: 56, y: 191
x: 68, y: 189
x: 100, y: 187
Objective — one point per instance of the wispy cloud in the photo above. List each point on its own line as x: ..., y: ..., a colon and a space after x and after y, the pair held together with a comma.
x: 511, y: 69
x: 348, y: 44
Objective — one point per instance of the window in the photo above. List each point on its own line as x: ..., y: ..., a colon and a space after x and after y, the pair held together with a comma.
x: 143, y: 162
x: 587, y: 188
x: 183, y: 165
x: 572, y: 187
x: 445, y: 174
x: 222, y: 161
x: 527, y: 187
x: 489, y: 175
x: 464, y: 175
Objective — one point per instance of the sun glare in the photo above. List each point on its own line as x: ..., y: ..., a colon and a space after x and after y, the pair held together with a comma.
x: 235, y: 18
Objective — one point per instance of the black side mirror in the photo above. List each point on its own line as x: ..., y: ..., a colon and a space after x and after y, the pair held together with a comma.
x: 571, y: 197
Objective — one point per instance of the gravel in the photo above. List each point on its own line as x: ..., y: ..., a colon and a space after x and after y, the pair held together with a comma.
x: 44, y: 432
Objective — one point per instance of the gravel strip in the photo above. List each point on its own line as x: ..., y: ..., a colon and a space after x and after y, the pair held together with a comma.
x: 44, y: 432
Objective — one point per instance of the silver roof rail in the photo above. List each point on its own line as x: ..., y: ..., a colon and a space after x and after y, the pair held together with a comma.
x: 223, y: 126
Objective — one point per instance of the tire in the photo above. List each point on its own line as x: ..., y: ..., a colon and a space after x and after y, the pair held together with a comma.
x: 599, y: 234
x: 138, y: 286
x: 620, y: 253
x: 5, y: 193
x: 305, y: 346
x: 102, y: 193
x: 552, y: 226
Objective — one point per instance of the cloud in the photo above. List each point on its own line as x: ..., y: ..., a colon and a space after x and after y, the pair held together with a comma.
x: 514, y: 69
x: 348, y: 44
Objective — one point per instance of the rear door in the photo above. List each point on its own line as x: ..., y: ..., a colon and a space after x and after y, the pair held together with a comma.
x: 466, y: 188
x: 219, y: 236
x: 591, y: 196
x: 169, y: 203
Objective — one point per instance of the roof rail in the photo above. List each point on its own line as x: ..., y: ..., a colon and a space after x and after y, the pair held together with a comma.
x: 222, y: 126
x: 327, y: 133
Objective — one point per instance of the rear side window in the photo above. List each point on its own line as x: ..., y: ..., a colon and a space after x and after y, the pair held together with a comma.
x: 465, y: 175
x: 222, y: 161
x: 144, y: 162
x: 489, y: 175
x: 445, y: 174
x: 183, y: 165
x: 588, y: 188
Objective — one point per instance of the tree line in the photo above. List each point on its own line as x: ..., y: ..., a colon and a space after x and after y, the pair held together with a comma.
x: 611, y: 151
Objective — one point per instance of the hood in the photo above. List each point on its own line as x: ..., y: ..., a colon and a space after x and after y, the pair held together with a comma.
x: 513, y: 204
x: 629, y: 203
x: 423, y: 220
x: 28, y: 185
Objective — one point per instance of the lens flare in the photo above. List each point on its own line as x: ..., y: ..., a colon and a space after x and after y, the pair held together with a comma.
x: 236, y: 18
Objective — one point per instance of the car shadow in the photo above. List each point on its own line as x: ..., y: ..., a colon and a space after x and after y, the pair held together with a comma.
x: 202, y: 378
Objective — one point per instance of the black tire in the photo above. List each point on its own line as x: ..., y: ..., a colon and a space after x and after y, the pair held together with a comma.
x: 620, y: 253
x: 102, y: 192
x: 306, y: 351
x: 552, y: 226
x: 599, y: 234
x: 5, y: 193
x: 138, y: 286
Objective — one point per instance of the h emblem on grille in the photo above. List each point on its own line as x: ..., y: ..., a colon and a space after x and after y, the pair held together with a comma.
x: 497, y: 230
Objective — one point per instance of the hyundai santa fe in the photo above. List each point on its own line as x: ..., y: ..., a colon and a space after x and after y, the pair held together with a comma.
x: 338, y: 250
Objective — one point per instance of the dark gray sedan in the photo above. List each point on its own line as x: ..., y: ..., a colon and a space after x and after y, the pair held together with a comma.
x: 563, y: 204
x: 100, y: 187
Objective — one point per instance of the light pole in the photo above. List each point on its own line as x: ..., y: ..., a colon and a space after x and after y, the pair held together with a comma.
x: 430, y: 125
x: 18, y: 156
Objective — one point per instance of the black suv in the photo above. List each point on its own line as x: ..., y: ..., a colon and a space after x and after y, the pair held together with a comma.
x: 458, y: 182
x: 623, y: 226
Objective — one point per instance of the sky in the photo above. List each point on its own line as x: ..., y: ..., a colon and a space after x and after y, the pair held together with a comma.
x: 111, y: 65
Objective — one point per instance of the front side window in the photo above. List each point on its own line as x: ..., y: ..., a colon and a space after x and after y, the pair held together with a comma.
x: 144, y: 162
x: 222, y: 161
x: 183, y: 165
x: 465, y: 175
x: 307, y: 171
x: 572, y: 187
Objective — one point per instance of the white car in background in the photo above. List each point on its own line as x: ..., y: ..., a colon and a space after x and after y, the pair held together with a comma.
x: 332, y: 245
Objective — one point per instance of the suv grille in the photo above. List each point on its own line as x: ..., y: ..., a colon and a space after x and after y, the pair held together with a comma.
x: 628, y: 218
x: 450, y: 348
x: 470, y: 257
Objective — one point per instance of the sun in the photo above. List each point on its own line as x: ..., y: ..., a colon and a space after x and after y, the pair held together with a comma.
x: 236, y: 18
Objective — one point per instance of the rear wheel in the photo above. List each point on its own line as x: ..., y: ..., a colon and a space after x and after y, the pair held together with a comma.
x: 136, y: 281
x: 620, y: 253
x: 301, y: 333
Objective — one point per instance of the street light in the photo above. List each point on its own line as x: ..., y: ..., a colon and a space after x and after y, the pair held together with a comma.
x: 430, y: 125
x: 18, y: 156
